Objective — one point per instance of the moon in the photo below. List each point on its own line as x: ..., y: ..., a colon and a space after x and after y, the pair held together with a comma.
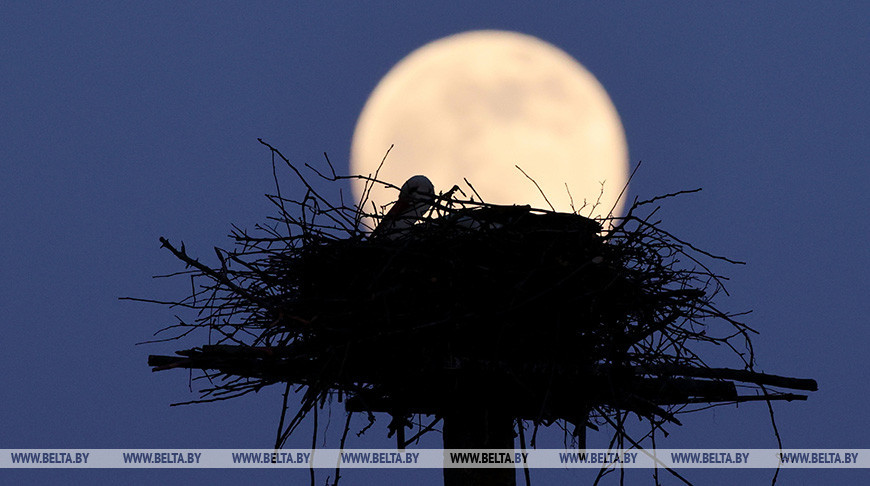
x: 477, y: 104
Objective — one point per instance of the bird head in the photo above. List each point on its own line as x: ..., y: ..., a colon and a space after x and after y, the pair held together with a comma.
x: 417, y: 188
x: 415, y: 198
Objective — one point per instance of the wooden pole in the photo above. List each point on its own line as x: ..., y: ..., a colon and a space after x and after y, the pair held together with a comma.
x: 479, y: 428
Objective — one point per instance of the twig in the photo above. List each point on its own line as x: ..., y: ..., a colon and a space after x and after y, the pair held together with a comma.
x: 539, y: 187
x: 341, y: 447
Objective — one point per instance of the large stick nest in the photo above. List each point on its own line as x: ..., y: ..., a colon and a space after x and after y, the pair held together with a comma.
x: 538, y: 314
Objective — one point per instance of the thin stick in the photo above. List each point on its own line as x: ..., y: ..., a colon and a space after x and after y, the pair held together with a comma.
x: 522, y: 434
x: 341, y: 448
x: 624, y: 188
x: 313, y: 446
x: 283, y: 414
x: 539, y: 188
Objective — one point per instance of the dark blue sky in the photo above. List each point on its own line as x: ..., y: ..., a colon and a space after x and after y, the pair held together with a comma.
x: 124, y: 121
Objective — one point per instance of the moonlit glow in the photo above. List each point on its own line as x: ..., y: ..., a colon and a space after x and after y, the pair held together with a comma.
x: 476, y: 104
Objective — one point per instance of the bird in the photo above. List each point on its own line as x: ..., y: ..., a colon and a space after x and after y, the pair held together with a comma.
x: 415, y: 198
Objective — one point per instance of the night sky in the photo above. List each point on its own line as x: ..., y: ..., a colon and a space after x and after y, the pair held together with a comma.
x: 123, y: 122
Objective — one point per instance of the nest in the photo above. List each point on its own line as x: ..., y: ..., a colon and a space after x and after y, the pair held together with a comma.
x: 534, y: 314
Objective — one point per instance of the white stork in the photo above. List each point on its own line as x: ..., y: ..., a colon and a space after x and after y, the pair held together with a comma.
x: 415, y: 198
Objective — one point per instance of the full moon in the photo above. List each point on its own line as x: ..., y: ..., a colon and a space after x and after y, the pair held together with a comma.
x: 477, y: 104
